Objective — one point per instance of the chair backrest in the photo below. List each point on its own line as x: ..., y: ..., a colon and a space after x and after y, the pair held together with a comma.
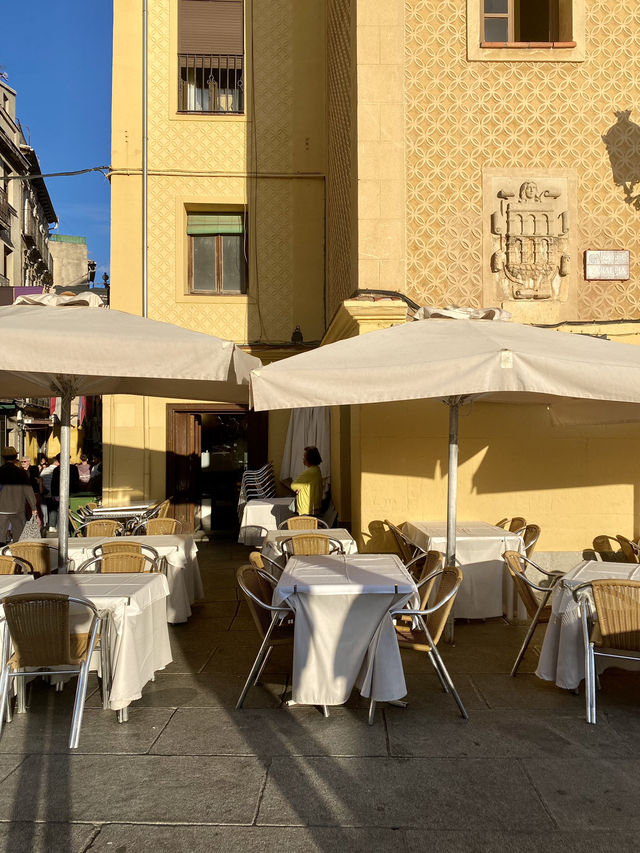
x: 162, y: 526
x: 105, y: 527
x: 450, y: 580
x: 617, y: 605
x: 38, y: 624
x: 530, y: 536
x: 628, y: 550
x: 608, y: 547
x: 406, y: 549
x: 432, y: 562
x: 9, y: 566
x: 122, y: 562
x: 299, y: 522
x: 517, y: 523
x: 255, y: 558
x: 36, y: 554
x: 118, y: 546
x: 501, y: 523
x: 516, y: 564
x: 310, y: 544
x: 253, y: 580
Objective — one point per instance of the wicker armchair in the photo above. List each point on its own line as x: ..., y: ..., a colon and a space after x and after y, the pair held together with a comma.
x: 530, y: 535
x: 124, y: 545
x: 36, y: 555
x: 104, y: 527
x: 162, y: 527
x: 422, y: 628
x: 538, y: 609
x: 407, y: 550
x: 614, y: 549
x: 615, y: 631
x: 274, y: 624
x: 38, y: 628
x: 302, y: 522
x: 260, y: 561
x: 10, y: 565
x: 119, y: 563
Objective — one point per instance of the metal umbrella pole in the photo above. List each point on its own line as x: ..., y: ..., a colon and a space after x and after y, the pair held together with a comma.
x: 63, y: 503
x: 452, y: 479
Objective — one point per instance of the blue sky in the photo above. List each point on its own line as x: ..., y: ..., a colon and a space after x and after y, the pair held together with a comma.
x: 57, y: 56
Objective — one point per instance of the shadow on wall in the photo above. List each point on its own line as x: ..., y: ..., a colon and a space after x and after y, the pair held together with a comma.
x: 623, y: 147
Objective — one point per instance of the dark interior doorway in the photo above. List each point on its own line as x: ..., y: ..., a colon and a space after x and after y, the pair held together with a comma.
x: 208, y: 448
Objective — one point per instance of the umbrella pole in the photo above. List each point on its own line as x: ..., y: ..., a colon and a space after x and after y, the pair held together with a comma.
x: 452, y: 480
x: 63, y: 505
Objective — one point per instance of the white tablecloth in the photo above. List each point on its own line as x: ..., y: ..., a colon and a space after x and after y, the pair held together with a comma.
x: 180, y: 555
x: 9, y: 582
x: 341, y: 636
x: 271, y: 547
x: 562, y: 654
x: 139, y: 639
x: 261, y: 515
x: 486, y: 589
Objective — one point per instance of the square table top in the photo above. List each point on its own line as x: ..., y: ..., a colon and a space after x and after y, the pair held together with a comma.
x: 344, y: 574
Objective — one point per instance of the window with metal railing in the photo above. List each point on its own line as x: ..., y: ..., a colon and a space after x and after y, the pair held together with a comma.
x: 210, y: 83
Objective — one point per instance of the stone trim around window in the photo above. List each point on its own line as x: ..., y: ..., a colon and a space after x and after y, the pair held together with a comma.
x: 569, y: 51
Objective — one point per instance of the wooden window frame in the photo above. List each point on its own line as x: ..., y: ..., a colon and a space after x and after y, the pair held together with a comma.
x: 572, y: 48
x: 219, y: 289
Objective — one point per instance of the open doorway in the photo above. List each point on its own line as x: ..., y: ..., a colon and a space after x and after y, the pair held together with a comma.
x: 208, y: 448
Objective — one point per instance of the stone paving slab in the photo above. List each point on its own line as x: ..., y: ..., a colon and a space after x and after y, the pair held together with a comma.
x: 133, y: 789
x: 526, y: 691
x: 28, y: 837
x: 288, y: 731
x: 403, y: 793
x: 549, y: 841
x: 511, y: 734
x: 581, y: 794
x: 117, y: 838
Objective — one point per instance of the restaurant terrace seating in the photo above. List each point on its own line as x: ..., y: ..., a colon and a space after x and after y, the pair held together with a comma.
x: 610, y: 549
x: 513, y: 524
x: 302, y: 522
x: 615, y: 631
x: 310, y: 544
x: 104, y: 527
x: 37, y: 555
x: 120, y: 563
x: 38, y: 627
x: 538, y: 609
x: 10, y: 565
x: 161, y: 527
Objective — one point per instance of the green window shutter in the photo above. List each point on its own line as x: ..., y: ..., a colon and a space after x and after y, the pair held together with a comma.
x: 215, y: 223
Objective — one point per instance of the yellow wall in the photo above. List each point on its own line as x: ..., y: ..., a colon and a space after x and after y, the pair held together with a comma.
x: 270, y: 160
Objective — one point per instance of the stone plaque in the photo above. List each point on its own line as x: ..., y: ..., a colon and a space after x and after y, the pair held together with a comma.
x: 606, y: 265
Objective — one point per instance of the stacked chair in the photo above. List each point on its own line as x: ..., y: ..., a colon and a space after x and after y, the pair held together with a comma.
x: 256, y: 485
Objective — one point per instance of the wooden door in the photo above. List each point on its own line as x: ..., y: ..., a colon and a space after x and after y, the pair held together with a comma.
x: 183, y: 466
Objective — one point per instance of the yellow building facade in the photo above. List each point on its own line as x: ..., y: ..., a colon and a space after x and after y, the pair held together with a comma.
x: 398, y: 147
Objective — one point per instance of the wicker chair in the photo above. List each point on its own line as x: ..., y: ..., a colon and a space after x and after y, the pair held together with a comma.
x: 421, y: 629
x: 162, y: 527
x: 104, y: 527
x: 616, y: 632
x: 609, y: 549
x: 10, y: 565
x: 538, y: 609
x: 502, y: 522
x: 302, y: 522
x: 38, y: 627
x: 37, y: 555
x: 530, y: 535
x: 274, y: 624
x: 260, y: 561
x: 125, y: 546
x: 629, y: 549
x: 120, y: 563
x: 407, y: 550
x: 310, y: 544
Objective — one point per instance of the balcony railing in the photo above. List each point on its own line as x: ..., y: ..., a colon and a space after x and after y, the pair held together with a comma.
x: 210, y: 83
x: 4, y: 209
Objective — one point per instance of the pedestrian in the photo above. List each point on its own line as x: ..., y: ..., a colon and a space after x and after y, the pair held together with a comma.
x: 84, y: 471
x: 15, y: 492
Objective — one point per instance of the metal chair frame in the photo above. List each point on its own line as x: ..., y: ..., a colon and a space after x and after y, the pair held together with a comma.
x: 433, y: 654
x: 408, y: 549
x: 583, y: 595
x: 81, y: 671
x: 546, y: 590
x: 279, y: 615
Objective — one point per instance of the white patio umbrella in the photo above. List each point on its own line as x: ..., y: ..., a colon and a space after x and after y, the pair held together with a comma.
x: 66, y: 349
x: 455, y: 360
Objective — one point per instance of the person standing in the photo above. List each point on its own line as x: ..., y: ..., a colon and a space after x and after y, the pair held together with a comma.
x: 15, y: 492
x: 308, y: 486
x: 84, y: 472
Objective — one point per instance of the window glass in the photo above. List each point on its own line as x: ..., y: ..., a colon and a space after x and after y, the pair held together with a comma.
x: 496, y: 29
x: 204, y: 262
x: 496, y: 7
x: 233, y: 263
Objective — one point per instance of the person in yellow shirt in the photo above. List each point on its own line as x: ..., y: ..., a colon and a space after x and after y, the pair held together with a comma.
x: 308, y: 486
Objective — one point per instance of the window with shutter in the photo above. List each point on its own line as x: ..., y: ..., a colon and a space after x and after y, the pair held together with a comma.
x: 217, y: 253
x: 211, y: 56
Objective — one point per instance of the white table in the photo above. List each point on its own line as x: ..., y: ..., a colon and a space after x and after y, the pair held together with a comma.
x: 9, y: 582
x: 272, y: 546
x: 180, y: 555
x: 135, y: 604
x: 341, y: 637
x: 486, y: 590
x: 261, y: 515
x: 562, y: 654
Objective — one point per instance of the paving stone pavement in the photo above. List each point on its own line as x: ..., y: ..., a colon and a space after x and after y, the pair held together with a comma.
x: 189, y: 773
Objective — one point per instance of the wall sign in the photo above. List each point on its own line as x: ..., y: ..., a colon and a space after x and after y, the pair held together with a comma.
x: 609, y: 265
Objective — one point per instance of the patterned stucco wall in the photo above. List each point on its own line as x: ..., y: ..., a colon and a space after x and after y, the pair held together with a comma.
x: 462, y: 116
x: 340, y: 232
x: 219, y: 160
